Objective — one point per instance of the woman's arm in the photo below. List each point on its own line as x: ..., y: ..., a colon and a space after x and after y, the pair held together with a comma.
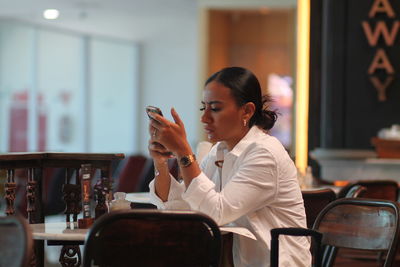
x: 160, y: 157
x: 172, y: 136
x: 162, y: 181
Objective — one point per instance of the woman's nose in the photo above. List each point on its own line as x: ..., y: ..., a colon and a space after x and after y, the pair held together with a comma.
x: 205, y: 118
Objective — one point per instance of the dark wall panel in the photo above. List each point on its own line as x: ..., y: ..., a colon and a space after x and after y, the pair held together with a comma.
x: 351, y: 112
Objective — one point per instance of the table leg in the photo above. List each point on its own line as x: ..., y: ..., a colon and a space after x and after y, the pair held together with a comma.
x: 30, y: 208
x: 70, y: 256
x: 35, y: 209
x: 10, y: 187
x: 107, y: 182
x: 31, y: 196
x: 37, y: 258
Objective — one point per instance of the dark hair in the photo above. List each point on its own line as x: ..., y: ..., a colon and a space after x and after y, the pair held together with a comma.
x: 245, y: 88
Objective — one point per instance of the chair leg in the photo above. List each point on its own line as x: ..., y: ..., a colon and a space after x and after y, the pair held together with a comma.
x: 274, y: 251
x: 227, y: 256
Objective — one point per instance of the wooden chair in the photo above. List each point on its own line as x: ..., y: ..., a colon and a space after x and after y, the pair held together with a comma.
x: 376, y: 189
x: 315, y: 201
x: 128, y: 179
x: 16, y: 243
x: 358, y: 223
x: 355, y: 191
x: 153, y: 238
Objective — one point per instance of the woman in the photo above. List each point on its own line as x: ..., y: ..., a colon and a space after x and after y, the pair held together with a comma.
x: 247, y: 179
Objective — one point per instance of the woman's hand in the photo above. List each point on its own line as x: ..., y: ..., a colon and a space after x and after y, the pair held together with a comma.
x: 170, y: 135
x: 157, y: 151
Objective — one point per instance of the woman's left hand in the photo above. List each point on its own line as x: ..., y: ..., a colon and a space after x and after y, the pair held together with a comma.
x: 171, y: 135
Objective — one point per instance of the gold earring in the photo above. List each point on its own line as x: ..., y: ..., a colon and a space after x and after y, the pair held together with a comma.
x: 244, y: 122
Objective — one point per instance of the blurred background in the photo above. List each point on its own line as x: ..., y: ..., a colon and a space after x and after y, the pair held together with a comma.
x: 77, y: 77
x: 78, y: 80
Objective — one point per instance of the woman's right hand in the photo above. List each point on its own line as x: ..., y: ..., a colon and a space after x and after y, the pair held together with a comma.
x: 157, y: 151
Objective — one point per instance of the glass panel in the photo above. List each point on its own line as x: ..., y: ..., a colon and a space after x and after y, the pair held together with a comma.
x: 16, y: 81
x: 113, y: 97
x: 60, y: 92
x: 48, y: 100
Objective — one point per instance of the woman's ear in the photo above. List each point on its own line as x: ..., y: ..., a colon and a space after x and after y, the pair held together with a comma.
x: 249, y: 109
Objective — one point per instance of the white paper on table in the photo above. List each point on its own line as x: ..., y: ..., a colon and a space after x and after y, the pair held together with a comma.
x: 238, y: 230
x: 142, y: 197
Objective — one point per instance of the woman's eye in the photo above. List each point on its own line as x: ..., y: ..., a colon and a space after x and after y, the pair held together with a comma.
x: 213, y: 109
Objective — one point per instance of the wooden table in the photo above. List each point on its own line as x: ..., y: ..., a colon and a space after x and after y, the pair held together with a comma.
x: 139, y: 197
x: 35, y: 163
x: 56, y: 233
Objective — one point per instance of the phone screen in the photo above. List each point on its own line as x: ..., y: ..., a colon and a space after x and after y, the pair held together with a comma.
x: 153, y: 109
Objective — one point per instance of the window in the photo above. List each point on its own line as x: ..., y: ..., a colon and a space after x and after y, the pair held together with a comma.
x: 66, y: 92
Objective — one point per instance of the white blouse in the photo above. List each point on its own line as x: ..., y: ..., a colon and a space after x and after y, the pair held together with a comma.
x: 257, y: 189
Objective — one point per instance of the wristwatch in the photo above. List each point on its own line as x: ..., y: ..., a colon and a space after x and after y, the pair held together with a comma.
x: 185, y: 161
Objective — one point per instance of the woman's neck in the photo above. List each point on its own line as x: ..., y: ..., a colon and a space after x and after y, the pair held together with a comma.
x: 230, y: 144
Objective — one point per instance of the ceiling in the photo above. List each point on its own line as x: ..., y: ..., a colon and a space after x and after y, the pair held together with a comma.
x: 73, y: 8
x: 120, y: 18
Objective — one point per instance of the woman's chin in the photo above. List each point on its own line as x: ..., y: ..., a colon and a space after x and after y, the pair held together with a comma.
x: 212, y: 138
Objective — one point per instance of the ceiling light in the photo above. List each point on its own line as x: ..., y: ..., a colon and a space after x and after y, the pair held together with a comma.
x: 51, y: 14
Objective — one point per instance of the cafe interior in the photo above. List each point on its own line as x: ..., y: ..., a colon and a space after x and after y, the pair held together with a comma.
x: 77, y: 75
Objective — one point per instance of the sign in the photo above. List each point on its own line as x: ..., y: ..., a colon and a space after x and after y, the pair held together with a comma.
x: 381, y: 71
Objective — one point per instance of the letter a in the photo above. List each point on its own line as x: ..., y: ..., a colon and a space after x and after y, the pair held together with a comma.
x: 381, y: 6
x: 381, y: 61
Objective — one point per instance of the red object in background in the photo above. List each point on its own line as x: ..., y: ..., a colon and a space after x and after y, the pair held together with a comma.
x: 18, y: 138
x: 18, y: 135
x: 42, y: 131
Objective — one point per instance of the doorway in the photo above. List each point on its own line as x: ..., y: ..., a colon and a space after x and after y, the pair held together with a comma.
x: 263, y: 41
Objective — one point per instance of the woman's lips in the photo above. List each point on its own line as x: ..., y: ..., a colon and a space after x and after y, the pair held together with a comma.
x: 208, y: 130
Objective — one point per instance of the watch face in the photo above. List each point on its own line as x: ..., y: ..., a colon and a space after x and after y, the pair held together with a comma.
x: 186, y: 160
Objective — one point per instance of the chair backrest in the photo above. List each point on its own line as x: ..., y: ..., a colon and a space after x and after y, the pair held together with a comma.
x: 153, y: 238
x: 356, y: 191
x: 129, y: 177
x: 376, y: 189
x: 315, y: 201
x: 360, y: 223
x: 16, y: 243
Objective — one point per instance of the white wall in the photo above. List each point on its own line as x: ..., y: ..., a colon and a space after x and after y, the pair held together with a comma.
x: 113, y: 96
x: 169, y: 75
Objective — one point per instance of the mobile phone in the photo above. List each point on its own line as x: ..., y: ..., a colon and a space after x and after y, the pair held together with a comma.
x: 158, y: 111
x: 153, y: 109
